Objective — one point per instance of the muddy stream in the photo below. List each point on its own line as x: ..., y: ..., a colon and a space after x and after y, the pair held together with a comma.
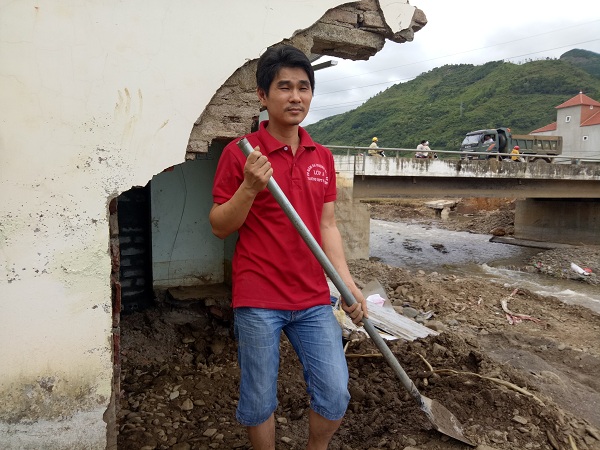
x: 423, y: 247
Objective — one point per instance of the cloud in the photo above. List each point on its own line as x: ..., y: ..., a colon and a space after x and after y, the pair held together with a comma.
x: 463, y: 31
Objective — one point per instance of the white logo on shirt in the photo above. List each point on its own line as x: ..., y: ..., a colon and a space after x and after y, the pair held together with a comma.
x: 318, y: 173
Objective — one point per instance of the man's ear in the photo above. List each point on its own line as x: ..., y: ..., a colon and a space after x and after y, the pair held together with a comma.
x: 262, y: 96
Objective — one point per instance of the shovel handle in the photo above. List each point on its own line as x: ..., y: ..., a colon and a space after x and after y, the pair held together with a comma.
x: 316, y: 249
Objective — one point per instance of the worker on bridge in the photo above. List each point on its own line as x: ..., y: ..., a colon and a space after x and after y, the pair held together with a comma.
x: 515, y: 152
x: 374, y: 148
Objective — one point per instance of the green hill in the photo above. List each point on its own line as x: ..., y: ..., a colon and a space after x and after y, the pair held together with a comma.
x: 445, y: 103
x: 586, y: 60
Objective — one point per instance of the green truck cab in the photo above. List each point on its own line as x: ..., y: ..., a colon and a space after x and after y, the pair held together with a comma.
x: 497, y: 143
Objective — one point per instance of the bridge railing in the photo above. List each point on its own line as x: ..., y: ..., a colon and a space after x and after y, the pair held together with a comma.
x: 362, y: 152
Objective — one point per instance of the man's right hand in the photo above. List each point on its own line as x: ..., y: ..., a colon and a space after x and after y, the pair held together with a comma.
x: 257, y: 171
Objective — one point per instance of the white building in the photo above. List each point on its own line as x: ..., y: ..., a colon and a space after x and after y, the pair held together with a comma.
x: 578, y: 122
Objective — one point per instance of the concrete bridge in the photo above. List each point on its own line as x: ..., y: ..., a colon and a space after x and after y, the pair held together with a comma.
x: 557, y: 202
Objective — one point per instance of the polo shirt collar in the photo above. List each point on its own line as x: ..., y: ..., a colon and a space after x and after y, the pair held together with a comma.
x: 271, y: 144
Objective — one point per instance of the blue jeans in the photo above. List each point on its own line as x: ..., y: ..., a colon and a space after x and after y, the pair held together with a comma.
x: 317, y: 339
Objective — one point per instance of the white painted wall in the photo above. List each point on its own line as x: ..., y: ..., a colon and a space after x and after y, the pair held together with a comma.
x: 97, y: 97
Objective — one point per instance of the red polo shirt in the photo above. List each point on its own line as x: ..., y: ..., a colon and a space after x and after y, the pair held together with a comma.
x: 272, y: 265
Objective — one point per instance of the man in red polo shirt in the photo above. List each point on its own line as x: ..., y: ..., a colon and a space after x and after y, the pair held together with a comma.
x: 278, y: 284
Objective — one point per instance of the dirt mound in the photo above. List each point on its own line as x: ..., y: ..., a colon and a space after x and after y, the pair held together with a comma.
x: 475, y: 215
x: 539, y: 387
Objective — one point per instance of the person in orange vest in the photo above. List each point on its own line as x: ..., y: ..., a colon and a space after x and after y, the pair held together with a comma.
x: 515, y: 152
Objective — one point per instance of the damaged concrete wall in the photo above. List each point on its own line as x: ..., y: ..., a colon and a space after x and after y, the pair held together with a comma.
x: 99, y: 97
x: 354, y: 31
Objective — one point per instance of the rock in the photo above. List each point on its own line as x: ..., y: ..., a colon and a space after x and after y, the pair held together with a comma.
x: 402, y: 291
x: 498, y: 437
x: 397, y: 302
x: 520, y: 419
x: 498, y: 231
x: 217, y: 347
x: 356, y: 393
x: 297, y: 414
x: 210, y: 432
x: 181, y: 446
x: 409, y: 312
x: 552, y: 440
x: 187, y: 405
x: 593, y: 432
x: 439, y: 350
x: 437, y: 325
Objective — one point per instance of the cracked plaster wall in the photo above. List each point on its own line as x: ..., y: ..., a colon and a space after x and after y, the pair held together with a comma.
x: 98, y: 97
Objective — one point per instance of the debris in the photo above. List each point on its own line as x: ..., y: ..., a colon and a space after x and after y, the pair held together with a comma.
x: 492, y: 379
x: 376, y: 299
x: 552, y: 440
x: 382, y: 315
x: 579, y: 270
x: 572, y: 442
x: 389, y: 321
x: 512, y: 317
x: 365, y: 355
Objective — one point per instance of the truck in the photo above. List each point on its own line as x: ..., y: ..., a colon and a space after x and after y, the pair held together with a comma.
x: 497, y: 143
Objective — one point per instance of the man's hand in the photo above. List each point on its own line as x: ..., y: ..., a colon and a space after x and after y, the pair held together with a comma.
x: 257, y: 171
x: 358, y: 310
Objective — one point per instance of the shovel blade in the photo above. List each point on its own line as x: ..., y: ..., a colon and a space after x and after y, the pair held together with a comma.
x: 443, y: 420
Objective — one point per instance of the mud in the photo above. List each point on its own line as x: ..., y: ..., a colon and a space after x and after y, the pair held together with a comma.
x: 531, y: 384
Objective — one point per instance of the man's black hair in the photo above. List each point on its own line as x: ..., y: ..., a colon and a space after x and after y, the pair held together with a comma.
x: 423, y: 141
x: 275, y: 58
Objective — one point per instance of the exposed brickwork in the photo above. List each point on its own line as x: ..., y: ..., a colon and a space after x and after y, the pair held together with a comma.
x: 110, y: 414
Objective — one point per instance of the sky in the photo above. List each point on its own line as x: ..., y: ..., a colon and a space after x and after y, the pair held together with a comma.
x: 460, y: 32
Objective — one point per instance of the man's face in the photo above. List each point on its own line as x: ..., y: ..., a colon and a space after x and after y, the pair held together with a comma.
x: 289, y: 97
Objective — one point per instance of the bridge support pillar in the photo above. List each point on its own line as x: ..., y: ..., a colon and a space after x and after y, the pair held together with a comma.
x: 352, y: 218
x: 566, y: 221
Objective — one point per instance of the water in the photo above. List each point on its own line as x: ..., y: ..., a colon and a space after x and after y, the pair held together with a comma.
x: 415, y: 246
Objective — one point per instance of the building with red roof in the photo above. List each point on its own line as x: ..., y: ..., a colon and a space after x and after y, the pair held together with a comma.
x: 578, y: 122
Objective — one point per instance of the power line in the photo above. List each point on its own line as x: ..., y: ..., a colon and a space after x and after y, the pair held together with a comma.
x: 550, y: 49
x: 339, y: 105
